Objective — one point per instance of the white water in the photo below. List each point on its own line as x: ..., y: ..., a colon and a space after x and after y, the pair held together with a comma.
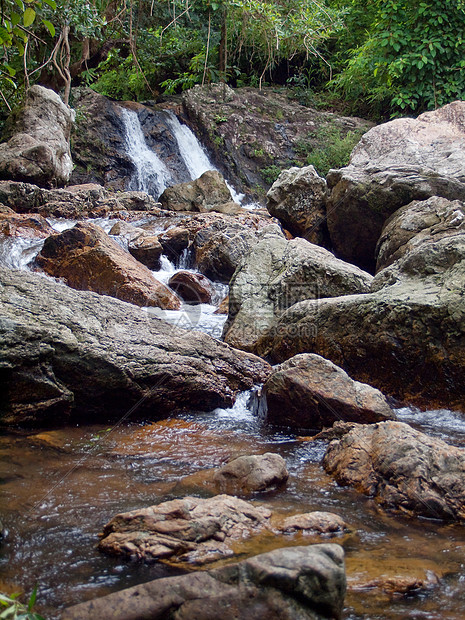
x: 152, y: 176
x: 17, y: 253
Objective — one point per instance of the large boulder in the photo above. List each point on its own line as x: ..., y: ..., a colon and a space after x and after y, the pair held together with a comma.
x: 89, y: 260
x: 207, y: 193
x: 297, y: 200
x: 421, y: 221
x: 407, y: 337
x: 38, y: 149
x: 189, y: 530
x: 192, y: 287
x: 77, y: 355
x: 395, y: 163
x: 401, y: 468
x: 275, y: 275
x: 285, y: 584
x: 308, y: 391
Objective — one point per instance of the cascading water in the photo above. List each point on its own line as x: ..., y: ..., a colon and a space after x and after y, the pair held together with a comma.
x: 151, y: 176
x: 195, y: 158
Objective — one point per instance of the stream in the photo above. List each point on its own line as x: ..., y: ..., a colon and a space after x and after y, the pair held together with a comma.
x: 60, y: 486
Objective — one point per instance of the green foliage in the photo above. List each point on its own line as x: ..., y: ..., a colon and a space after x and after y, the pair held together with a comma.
x: 270, y: 173
x: 413, y: 58
x: 336, y: 149
x: 13, y: 609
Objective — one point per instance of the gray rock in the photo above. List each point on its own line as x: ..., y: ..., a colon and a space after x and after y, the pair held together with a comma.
x: 69, y: 355
x: 394, y: 164
x: 275, y: 275
x: 298, y: 583
x: 407, y: 338
x: 317, y: 522
x: 310, y: 392
x: 401, y: 468
x: 297, y: 199
x: 38, y: 150
x: 418, y: 222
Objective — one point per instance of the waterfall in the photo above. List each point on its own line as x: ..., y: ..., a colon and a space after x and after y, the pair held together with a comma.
x: 192, y: 153
x: 152, y: 176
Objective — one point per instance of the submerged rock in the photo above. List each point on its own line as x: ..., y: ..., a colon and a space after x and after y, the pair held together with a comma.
x: 38, y: 149
x: 297, y: 199
x: 276, y: 274
x: 189, y: 530
x: 306, y: 583
x: 403, y: 469
x: 207, y: 193
x: 395, y: 163
x: 74, y: 355
x: 308, y: 391
x: 89, y: 260
x: 316, y: 522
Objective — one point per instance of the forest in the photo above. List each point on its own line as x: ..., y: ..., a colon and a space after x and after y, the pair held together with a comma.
x: 374, y: 58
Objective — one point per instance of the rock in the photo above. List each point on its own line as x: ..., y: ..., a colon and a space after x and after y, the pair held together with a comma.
x: 29, y: 227
x: 299, y: 582
x: 4, y: 210
x: 315, y: 523
x: 88, y: 259
x: 69, y: 356
x: 412, y: 324
x: 308, y: 391
x: 174, y: 241
x: 207, y: 193
x: 402, y: 468
x: 275, y: 275
x: 142, y: 245
x: 189, y: 530
x: 253, y: 134
x: 38, y: 150
x: 223, y: 308
x: 242, y: 476
x: 337, y: 430
x: 395, y: 163
x: 416, y: 223
x: 297, y: 200
x: 192, y: 287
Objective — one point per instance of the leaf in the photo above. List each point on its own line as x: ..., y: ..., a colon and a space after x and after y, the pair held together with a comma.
x: 51, y: 3
x: 50, y: 27
x: 15, y: 18
x: 20, y: 4
x: 29, y: 17
x: 32, y: 599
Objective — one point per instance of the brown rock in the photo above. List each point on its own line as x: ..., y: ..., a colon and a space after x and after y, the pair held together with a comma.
x: 193, y: 288
x: 174, y: 241
x: 223, y: 308
x: 207, y: 193
x: 88, y: 259
x: 26, y: 226
x: 315, y: 523
x: 402, y: 469
x: 308, y: 391
x: 189, y: 530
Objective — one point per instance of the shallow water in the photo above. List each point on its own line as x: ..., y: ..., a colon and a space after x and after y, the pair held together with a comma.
x: 60, y: 487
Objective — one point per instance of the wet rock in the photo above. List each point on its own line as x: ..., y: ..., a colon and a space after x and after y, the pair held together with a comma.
x: 425, y: 221
x: 38, y: 149
x: 277, y: 273
x: 189, y: 530
x: 412, y: 324
x: 142, y: 245
x: 316, y: 522
x: 207, y: 193
x: 4, y: 210
x: 223, y: 308
x: 192, y: 287
x: 297, y: 200
x: 284, y: 584
x: 403, y: 469
x: 88, y: 259
x: 29, y: 227
x: 308, y: 391
x: 243, y: 476
x: 394, y: 163
x: 72, y: 355
x: 400, y: 586
x: 174, y: 241
x: 337, y: 430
